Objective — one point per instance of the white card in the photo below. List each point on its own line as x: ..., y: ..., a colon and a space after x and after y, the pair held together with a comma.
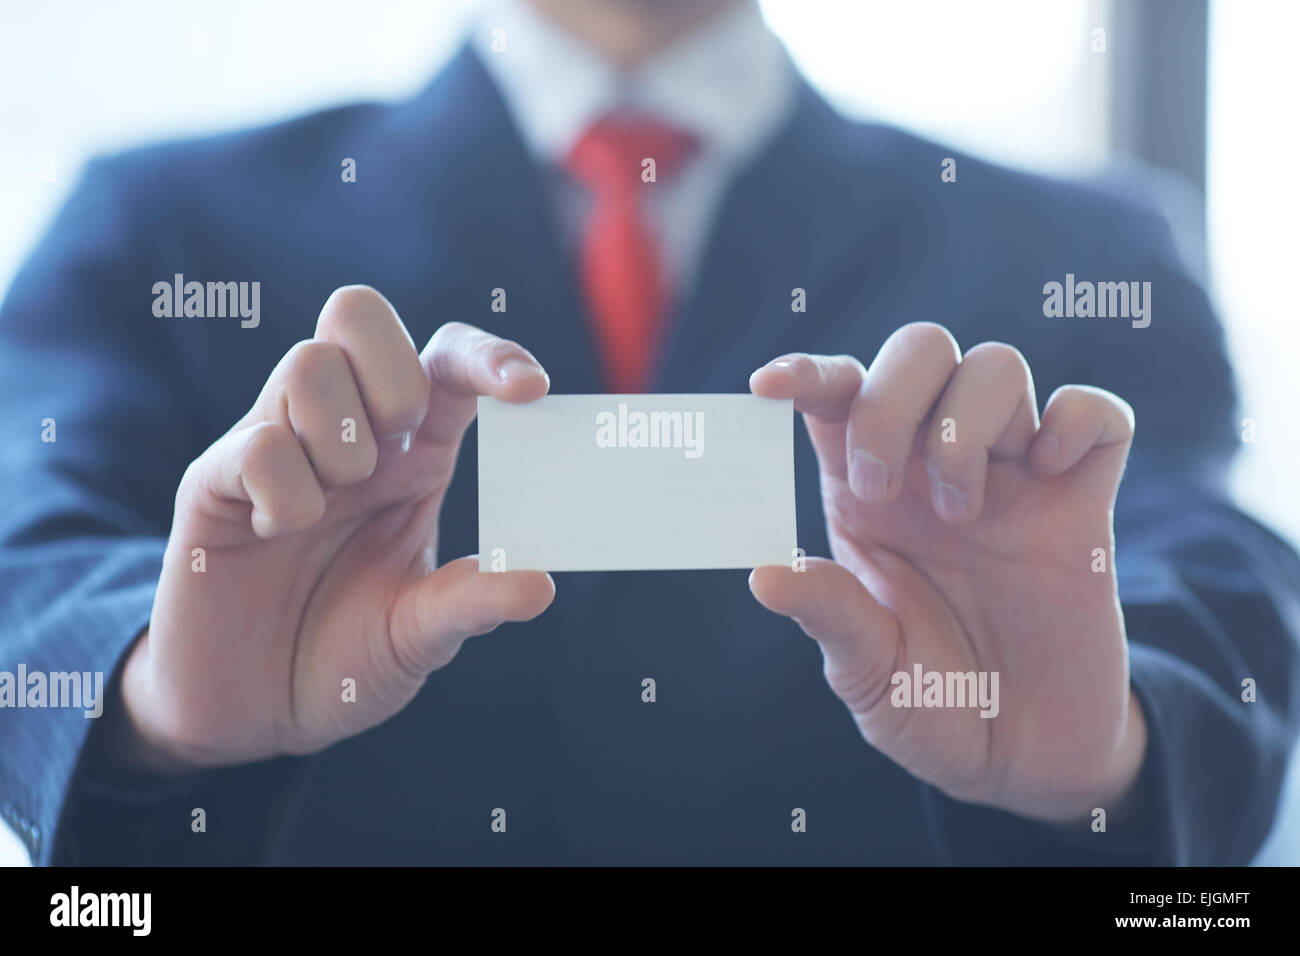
x: 635, y: 483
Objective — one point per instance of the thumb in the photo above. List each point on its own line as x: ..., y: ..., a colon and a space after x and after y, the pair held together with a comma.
x: 434, y: 615
x: 859, y: 636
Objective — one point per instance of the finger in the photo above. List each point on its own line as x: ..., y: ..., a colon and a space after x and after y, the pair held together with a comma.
x: 902, y: 385
x: 1080, y: 419
x: 434, y: 615
x: 987, y: 410
x: 263, y: 466
x: 384, y: 362
x: 464, y: 362
x: 323, y: 406
x: 859, y: 637
x: 821, y: 385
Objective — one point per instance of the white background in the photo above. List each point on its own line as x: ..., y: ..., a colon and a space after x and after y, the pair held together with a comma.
x: 1014, y: 80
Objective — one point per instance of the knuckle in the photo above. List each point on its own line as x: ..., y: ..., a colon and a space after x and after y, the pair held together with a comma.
x: 453, y: 348
x: 1127, y: 413
x: 1112, y: 407
x: 351, y: 299
x: 414, y: 663
x: 453, y: 329
x: 190, y: 485
x: 398, y: 408
x: 859, y: 691
x: 356, y: 290
x: 357, y: 464
x: 313, y: 363
x: 928, y: 337
x: 491, y: 351
x: 844, y: 361
x: 350, y: 307
x: 1075, y: 402
x: 440, y: 635
x: 449, y: 336
x: 1006, y: 361
x: 267, y: 441
x: 882, y: 412
x: 882, y: 431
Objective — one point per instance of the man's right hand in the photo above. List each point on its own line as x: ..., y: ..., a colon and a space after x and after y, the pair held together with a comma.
x: 318, y: 553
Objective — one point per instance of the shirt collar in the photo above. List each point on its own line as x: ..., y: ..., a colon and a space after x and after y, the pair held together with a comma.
x: 729, y: 83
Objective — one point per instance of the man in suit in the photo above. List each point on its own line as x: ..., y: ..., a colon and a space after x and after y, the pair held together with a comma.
x: 278, y: 609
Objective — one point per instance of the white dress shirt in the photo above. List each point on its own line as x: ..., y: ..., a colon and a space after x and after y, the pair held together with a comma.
x: 729, y: 83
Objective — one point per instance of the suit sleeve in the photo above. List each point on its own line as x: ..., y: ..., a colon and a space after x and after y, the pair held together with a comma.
x: 1211, y: 598
x: 96, y: 433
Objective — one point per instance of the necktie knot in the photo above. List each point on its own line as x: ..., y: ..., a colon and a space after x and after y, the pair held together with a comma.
x: 610, y: 156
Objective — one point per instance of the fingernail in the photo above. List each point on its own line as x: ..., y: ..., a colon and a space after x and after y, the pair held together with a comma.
x: 514, y: 368
x: 868, y: 476
x: 395, y: 445
x: 949, y: 500
x: 781, y: 363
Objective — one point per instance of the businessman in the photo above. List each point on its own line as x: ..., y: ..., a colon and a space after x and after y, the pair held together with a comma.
x: 181, y: 514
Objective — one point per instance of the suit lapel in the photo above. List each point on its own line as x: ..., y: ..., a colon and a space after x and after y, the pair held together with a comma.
x: 492, y: 226
x: 806, y: 214
x: 813, y: 211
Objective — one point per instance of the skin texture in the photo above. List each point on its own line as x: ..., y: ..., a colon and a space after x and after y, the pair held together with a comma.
x: 974, y: 554
x: 320, y: 553
x: 320, y: 562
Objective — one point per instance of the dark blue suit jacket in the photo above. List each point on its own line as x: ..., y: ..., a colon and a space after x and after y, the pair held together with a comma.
x: 545, y: 719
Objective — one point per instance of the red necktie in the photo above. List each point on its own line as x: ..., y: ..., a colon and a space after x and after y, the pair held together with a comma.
x: 618, y: 261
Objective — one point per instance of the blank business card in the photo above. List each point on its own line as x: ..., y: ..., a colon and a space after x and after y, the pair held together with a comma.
x: 635, y: 483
